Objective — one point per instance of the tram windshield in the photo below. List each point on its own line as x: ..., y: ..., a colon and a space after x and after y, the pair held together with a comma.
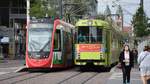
x: 88, y: 34
x: 39, y: 38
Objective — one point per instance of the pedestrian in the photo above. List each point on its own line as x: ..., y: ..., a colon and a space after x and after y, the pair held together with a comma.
x: 135, y: 55
x: 144, y: 64
x: 127, y: 61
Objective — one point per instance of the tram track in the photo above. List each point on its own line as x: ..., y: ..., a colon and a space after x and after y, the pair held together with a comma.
x: 21, y: 77
x: 40, y: 74
x: 89, y: 78
x: 16, y: 79
x: 69, y: 78
x: 73, y: 77
x: 16, y: 75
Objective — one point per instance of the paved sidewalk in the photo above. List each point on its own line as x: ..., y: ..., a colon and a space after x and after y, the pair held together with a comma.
x: 7, y: 66
x: 116, y: 77
x: 11, y: 63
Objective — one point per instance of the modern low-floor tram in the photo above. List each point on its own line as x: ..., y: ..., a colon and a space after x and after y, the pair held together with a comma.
x: 49, y: 44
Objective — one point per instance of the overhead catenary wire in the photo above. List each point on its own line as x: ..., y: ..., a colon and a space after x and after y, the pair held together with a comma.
x: 78, y: 10
x: 129, y: 3
x: 127, y: 11
x: 123, y: 9
x: 127, y: 23
x: 71, y: 11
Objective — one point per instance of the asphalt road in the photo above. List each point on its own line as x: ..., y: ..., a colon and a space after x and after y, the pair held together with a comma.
x: 60, y: 77
x: 67, y: 76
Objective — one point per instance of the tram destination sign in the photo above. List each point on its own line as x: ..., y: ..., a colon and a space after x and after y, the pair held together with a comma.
x: 41, y: 25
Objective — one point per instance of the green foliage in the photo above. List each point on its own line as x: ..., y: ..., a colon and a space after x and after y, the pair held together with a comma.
x: 140, y: 23
x: 148, y: 28
x: 38, y: 9
x: 101, y: 17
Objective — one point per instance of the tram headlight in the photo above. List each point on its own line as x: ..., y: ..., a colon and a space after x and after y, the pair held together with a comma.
x: 45, y: 56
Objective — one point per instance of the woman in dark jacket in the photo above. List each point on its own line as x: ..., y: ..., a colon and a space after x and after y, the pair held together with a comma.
x: 127, y: 62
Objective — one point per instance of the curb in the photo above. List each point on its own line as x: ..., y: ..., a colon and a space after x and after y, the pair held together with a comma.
x: 21, y: 69
x: 113, y: 69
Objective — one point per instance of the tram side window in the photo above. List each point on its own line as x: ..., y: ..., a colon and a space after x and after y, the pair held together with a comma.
x: 99, y: 35
x: 57, y: 40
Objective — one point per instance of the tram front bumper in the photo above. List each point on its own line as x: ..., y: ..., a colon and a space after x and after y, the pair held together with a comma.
x: 89, y: 62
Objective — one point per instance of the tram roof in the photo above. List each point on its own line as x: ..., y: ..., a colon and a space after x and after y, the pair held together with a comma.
x: 93, y: 22
x: 67, y: 24
x: 42, y: 20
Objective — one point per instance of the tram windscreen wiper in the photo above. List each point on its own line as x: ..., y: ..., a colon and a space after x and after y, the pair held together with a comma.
x: 33, y: 45
x: 45, y: 46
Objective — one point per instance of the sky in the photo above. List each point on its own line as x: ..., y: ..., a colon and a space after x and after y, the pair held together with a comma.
x: 129, y: 8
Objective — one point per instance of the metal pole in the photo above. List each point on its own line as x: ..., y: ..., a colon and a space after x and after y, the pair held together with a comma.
x: 61, y: 8
x: 28, y: 11
x: 14, y: 45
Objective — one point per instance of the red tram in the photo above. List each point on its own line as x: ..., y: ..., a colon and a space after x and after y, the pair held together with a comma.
x: 49, y: 44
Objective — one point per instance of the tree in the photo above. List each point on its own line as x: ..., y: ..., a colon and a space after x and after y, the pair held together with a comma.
x: 74, y: 9
x: 140, y: 23
x: 101, y: 16
x: 36, y: 9
x: 148, y: 29
x: 40, y: 8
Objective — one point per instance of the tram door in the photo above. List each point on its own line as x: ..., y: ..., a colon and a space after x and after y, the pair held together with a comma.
x: 57, y: 48
x: 108, y: 45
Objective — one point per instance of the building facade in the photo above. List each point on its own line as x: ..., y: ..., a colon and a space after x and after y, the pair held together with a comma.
x: 12, y: 27
x: 13, y: 22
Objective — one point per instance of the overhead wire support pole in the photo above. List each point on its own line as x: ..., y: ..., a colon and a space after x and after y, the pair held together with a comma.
x: 61, y: 8
x: 28, y: 11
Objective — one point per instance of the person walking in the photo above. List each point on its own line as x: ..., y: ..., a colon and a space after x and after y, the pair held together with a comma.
x: 127, y: 61
x: 144, y: 64
x: 135, y: 55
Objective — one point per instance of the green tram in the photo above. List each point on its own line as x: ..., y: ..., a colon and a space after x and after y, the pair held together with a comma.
x: 96, y: 43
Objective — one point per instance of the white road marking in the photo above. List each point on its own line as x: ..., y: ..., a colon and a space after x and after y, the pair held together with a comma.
x: 9, y: 70
x: 1, y: 73
x: 118, y: 76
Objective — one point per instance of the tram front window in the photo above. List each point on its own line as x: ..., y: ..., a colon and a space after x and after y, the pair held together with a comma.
x: 39, y: 41
x: 89, y: 35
